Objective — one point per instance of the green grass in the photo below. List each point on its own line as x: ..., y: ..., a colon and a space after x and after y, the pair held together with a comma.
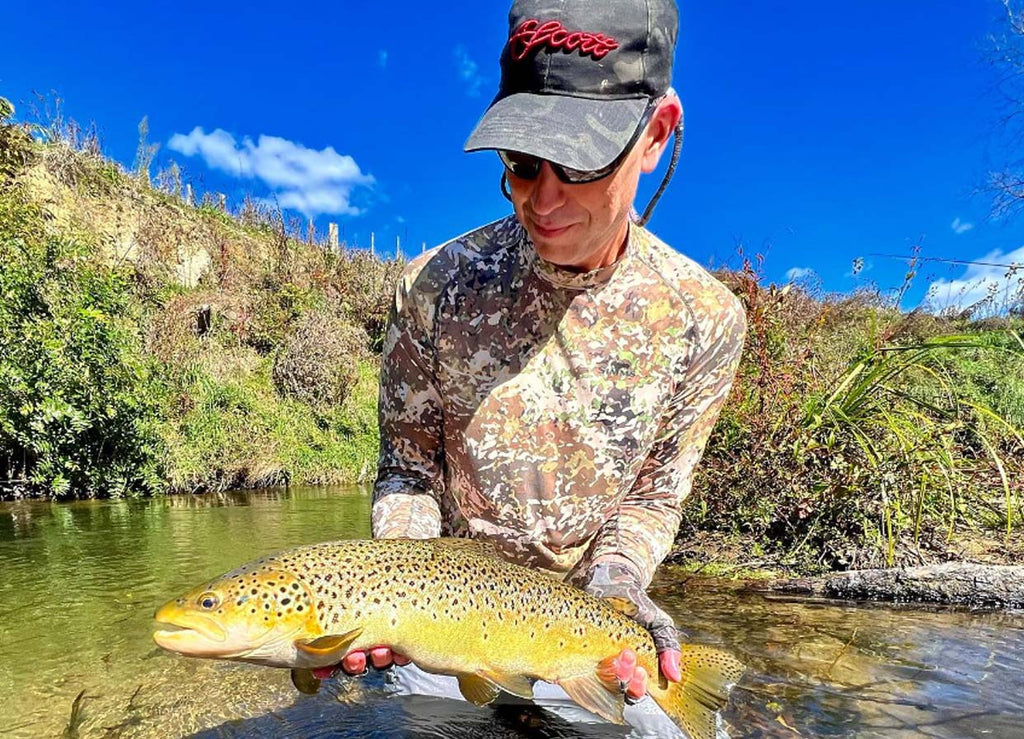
x: 240, y: 433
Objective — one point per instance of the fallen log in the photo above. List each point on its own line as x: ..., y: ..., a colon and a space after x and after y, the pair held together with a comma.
x: 960, y: 583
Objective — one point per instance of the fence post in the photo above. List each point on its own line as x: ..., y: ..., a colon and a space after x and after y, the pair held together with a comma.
x: 222, y: 201
x: 188, y: 194
x: 310, y: 232
x: 372, y: 243
x: 332, y: 236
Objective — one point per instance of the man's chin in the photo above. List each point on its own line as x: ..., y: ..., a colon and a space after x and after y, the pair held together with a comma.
x: 557, y: 248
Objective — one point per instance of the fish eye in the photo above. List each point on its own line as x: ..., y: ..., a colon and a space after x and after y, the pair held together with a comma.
x: 209, y: 601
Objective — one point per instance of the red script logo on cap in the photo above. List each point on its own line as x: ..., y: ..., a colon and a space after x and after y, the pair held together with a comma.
x: 533, y: 34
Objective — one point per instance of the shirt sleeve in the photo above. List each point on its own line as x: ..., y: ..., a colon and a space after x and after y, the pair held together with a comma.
x: 409, y: 469
x: 648, y: 517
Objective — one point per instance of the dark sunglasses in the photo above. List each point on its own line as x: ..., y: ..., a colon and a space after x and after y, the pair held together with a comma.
x: 527, y: 166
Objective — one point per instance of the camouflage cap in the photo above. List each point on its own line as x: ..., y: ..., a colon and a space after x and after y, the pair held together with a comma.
x: 576, y: 78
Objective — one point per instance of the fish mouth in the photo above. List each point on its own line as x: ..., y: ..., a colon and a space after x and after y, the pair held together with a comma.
x: 190, y: 633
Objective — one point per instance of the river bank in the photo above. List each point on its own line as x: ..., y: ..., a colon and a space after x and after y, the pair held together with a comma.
x: 153, y: 343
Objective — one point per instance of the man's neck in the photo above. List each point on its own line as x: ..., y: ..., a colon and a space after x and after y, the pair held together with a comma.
x: 607, y: 256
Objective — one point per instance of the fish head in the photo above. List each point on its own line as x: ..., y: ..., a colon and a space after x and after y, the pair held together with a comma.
x: 252, y: 614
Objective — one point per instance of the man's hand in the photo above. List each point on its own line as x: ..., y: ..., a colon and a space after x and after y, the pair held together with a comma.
x: 616, y: 581
x: 355, y: 663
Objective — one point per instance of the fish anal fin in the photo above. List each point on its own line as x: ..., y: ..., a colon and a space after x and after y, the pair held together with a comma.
x: 517, y: 685
x: 477, y: 690
x: 622, y: 605
x: 329, y: 647
x: 607, y: 675
x: 591, y: 692
x: 305, y: 681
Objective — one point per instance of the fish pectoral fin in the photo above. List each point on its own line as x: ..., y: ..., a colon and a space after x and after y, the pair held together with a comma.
x: 305, y: 681
x: 518, y: 685
x: 622, y: 605
x: 331, y: 645
x: 477, y: 690
x: 594, y: 694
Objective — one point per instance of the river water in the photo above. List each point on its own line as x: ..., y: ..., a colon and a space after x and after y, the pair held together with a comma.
x: 79, y: 583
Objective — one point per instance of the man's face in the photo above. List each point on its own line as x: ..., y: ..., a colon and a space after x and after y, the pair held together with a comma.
x: 583, y: 227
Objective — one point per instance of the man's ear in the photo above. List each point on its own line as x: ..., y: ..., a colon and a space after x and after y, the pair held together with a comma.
x: 659, y: 131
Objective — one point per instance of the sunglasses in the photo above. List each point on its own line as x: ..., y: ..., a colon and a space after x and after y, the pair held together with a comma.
x: 527, y: 166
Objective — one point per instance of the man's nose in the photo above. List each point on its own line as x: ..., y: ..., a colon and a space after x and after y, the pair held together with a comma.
x: 548, y: 191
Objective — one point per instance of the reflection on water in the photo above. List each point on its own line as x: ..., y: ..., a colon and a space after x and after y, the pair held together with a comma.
x: 79, y: 583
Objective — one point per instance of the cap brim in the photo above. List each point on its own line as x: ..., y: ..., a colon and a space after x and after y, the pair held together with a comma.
x: 575, y: 132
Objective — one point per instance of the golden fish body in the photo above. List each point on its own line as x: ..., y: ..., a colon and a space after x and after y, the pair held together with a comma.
x: 451, y: 606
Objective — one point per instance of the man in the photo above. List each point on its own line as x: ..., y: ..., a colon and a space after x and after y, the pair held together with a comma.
x: 550, y: 380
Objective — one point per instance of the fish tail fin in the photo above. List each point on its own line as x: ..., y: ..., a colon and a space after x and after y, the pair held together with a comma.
x: 708, y: 675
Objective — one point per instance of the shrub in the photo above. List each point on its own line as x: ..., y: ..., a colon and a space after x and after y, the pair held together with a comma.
x: 78, y: 399
x: 319, y: 363
x: 15, y: 144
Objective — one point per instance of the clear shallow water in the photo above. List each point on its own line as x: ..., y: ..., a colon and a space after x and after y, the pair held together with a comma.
x: 79, y: 583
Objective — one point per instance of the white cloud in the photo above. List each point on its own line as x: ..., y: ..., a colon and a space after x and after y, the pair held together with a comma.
x: 309, y: 181
x: 382, y: 58
x: 980, y: 281
x: 801, y: 273
x: 961, y: 227
x: 469, y: 71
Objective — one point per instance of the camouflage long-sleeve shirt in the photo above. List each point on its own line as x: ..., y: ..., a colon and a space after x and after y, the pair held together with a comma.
x: 559, y: 415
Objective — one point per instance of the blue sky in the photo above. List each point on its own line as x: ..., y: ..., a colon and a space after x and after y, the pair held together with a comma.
x: 817, y: 133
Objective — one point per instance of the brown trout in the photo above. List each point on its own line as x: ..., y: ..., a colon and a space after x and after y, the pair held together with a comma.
x: 454, y: 608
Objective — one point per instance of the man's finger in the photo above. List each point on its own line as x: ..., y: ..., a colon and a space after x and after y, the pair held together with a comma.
x: 637, y: 687
x: 625, y: 666
x: 669, y: 662
x: 400, y: 660
x: 380, y: 657
x: 354, y: 663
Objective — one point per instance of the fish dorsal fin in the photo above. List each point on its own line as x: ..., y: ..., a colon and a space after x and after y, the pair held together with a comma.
x: 518, y: 685
x: 622, y: 605
x: 477, y: 690
x: 305, y: 681
x: 476, y: 546
x: 594, y: 693
x: 331, y: 645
